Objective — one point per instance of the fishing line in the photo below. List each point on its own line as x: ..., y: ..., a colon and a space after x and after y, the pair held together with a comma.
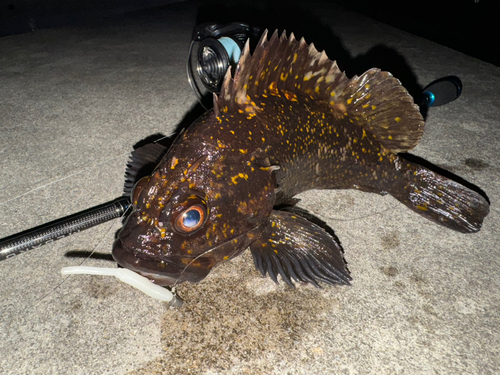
x: 82, y: 262
x: 356, y: 218
x: 82, y: 170
x: 210, y: 250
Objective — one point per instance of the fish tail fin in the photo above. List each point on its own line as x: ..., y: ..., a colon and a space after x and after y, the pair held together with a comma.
x: 441, y: 199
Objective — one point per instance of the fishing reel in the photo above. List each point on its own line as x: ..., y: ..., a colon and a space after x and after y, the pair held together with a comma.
x: 442, y: 91
x: 217, y: 47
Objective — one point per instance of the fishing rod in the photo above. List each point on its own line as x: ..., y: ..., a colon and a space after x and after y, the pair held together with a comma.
x: 63, y: 227
x: 218, y: 48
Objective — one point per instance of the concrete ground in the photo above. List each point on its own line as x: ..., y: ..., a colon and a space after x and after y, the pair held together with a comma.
x: 73, y: 101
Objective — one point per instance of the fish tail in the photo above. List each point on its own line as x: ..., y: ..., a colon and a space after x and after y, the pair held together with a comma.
x: 441, y: 199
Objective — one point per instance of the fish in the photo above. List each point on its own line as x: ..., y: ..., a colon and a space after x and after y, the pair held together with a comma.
x: 288, y: 120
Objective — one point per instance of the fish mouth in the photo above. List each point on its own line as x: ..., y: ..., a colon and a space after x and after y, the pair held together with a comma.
x: 166, y: 271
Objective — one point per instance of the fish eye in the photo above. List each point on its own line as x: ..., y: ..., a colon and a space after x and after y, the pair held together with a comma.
x: 190, y: 219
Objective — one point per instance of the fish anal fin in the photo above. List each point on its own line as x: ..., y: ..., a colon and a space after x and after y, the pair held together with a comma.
x: 297, y: 249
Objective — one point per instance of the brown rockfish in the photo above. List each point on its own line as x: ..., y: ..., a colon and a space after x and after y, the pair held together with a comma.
x: 289, y: 121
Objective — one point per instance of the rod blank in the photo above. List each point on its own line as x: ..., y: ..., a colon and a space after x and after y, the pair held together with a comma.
x: 63, y: 227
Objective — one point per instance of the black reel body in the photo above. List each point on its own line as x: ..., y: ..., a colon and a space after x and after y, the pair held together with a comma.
x: 217, y: 48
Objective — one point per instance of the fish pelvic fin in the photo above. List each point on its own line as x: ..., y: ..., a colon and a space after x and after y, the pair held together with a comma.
x: 441, y: 199
x: 295, y: 248
x: 283, y: 66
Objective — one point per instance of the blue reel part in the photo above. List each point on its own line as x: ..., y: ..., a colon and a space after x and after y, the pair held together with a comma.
x: 442, y: 91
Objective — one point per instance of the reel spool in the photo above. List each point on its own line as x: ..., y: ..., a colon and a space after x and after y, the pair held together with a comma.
x: 217, y: 47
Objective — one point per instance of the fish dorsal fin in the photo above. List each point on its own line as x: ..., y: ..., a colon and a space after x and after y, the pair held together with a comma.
x: 287, y: 67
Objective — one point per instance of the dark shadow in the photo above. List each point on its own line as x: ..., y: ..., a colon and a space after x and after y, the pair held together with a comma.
x: 293, y: 16
x: 445, y: 173
x: 392, y: 61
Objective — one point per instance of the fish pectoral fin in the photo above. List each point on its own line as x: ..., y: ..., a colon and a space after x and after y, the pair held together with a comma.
x: 295, y: 248
x: 142, y: 162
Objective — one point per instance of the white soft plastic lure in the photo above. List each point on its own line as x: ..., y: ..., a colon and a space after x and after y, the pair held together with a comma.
x: 129, y: 277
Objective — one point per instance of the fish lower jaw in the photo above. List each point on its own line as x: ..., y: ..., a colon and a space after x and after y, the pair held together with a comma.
x: 164, y: 273
x: 126, y: 258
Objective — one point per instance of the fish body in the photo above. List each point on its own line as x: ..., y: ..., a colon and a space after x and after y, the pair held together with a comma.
x: 289, y: 121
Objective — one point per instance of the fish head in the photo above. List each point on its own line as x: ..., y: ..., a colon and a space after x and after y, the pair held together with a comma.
x: 193, y: 213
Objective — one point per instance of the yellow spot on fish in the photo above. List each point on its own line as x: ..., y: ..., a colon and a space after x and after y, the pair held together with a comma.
x: 284, y: 76
x: 239, y: 175
x: 290, y: 96
x: 163, y: 232
x: 389, y: 137
x: 175, y: 161
x: 231, y: 131
x: 397, y: 119
x: 148, y: 205
x: 349, y: 101
x: 243, y: 151
x: 422, y: 208
x: 374, y: 107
